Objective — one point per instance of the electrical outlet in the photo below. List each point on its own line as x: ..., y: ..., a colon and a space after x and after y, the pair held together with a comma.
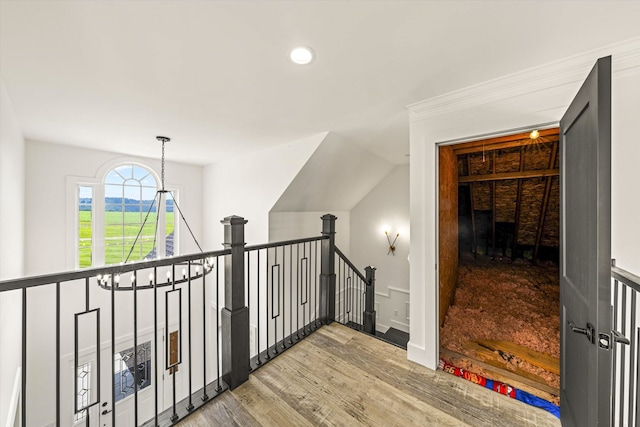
x: 395, y: 313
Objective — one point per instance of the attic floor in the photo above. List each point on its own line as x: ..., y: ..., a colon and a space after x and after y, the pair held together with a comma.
x: 338, y: 376
x: 514, y: 302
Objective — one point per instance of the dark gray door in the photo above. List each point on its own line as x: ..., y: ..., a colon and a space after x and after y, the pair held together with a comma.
x: 585, y: 259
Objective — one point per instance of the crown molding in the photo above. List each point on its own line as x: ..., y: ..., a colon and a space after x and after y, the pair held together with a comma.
x: 564, y: 72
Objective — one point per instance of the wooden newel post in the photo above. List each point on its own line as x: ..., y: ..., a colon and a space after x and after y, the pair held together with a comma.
x: 235, y: 315
x: 369, y: 301
x: 328, y: 270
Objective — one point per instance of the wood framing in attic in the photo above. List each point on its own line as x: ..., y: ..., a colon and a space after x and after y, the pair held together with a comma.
x: 497, y: 197
x: 514, y: 182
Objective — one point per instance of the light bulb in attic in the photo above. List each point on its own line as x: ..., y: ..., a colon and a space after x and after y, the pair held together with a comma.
x: 133, y: 279
x: 168, y: 276
x: 151, y: 278
x: 117, y: 278
x: 534, y: 134
x: 198, y: 269
x: 184, y: 273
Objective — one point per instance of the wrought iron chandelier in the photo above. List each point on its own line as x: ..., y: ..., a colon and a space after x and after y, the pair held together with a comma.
x: 200, y: 267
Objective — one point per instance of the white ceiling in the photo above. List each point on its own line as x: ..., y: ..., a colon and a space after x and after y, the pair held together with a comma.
x: 215, y: 76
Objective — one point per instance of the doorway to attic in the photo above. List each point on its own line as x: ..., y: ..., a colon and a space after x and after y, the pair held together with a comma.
x: 498, y: 259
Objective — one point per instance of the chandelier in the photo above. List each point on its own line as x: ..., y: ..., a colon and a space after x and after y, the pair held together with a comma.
x: 202, y: 267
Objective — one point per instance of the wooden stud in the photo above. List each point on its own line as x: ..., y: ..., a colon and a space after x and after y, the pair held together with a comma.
x: 472, y: 208
x: 509, y: 175
x: 493, y: 207
x: 448, y: 229
x: 545, y: 202
x: 518, y: 207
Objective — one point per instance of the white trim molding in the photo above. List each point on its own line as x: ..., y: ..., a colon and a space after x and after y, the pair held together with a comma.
x: 567, y: 71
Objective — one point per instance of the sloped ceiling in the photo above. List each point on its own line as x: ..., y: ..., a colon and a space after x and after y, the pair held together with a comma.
x: 214, y: 75
x: 335, y: 178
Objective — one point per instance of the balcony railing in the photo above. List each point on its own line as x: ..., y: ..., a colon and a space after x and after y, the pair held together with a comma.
x: 625, y: 395
x: 148, y: 343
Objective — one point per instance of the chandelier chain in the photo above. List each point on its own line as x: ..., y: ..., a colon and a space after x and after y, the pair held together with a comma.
x: 164, y: 140
x: 162, y: 171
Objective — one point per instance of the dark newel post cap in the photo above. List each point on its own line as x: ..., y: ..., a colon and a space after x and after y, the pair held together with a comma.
x: 371, y: 267
x: 328, y: 216
x: 233, y: 220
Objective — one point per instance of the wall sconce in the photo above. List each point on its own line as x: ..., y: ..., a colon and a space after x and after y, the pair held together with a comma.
x: 392, y: 245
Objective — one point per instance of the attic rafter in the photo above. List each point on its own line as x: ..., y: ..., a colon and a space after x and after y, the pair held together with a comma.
x: 519, y: 140
x: 509, y: 175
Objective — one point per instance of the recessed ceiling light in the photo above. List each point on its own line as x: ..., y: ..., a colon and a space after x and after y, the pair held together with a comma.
x: 302, y: 55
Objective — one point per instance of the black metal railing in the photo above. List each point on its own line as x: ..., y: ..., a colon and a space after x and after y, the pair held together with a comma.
x: 284, y: 309
x: 355, y: 295
x: 109, y: 345
x: 163, y: 337
x: 625, y: 395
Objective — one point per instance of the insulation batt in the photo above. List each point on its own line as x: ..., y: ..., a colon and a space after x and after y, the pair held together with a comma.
x: 516, y: 302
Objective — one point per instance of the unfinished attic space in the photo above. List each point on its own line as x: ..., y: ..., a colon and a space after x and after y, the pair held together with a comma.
x: 498, y: 259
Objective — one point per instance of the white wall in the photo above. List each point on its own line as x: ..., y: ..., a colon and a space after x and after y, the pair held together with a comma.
x: 386, y: 207
x: 12, y: 186
x: 48, y: 206
x: 625, y: 157
x: 249, y: 186
x: 521, y: 100
x: 335, y: 178
x: 296, y: 225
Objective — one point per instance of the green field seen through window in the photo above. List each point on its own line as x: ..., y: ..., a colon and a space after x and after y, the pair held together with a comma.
x: 115, y: 250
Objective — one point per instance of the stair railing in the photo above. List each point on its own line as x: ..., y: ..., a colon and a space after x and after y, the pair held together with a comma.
x: 355, y: 301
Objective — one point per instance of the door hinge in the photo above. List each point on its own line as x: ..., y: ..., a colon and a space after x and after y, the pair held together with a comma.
x: 605, y: 340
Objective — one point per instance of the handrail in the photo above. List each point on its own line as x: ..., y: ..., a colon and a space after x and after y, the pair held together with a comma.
x: 350, y: 264
x: 626, y: 277
x: 46, y: 279
x: 283, y: 290
x: 283, y: 243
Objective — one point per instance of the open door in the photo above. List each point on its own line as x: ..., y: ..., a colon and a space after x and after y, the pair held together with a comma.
x: 585, y: 257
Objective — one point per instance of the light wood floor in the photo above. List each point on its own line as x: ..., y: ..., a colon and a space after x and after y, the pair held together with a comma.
x: 340, y: 377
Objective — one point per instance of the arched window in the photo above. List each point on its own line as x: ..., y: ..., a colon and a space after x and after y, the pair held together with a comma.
x: 124, y: 219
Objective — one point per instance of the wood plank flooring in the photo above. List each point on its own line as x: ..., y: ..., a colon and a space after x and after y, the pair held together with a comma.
x: 340, y: 377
